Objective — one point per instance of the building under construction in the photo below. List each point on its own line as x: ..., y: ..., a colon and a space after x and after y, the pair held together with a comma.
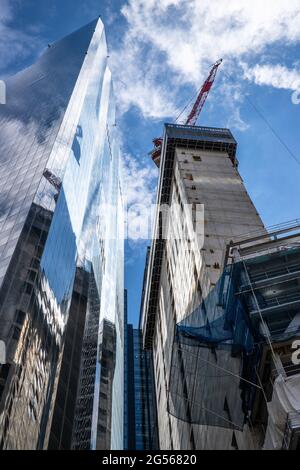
x: 221, y: 312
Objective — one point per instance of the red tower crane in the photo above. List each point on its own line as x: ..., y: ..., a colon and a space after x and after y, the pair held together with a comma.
x: 195, y: 112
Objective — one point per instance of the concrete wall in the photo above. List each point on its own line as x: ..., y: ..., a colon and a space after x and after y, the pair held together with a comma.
x: 190, y: 272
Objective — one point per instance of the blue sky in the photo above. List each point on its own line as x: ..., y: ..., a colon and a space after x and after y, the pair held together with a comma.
x: 160, y: 53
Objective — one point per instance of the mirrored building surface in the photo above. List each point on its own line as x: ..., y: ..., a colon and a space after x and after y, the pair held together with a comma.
x: 61, y: 255
x: 140, y: 405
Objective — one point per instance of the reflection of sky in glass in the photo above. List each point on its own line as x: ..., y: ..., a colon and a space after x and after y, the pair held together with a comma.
x: 29, y: 124
x: 60, y: 116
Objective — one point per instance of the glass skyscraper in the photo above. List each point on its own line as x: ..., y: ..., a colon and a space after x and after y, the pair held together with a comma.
x: 61, y: 268
x: 140, y: 410
x: 140, y: 399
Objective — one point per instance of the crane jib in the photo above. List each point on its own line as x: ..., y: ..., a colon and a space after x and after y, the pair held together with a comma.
x: 195, y: 112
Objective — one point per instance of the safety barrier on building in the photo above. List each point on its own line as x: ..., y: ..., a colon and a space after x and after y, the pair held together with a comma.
x: 218, y: 347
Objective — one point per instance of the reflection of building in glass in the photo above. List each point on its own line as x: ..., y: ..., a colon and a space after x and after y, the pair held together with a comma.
x: 140, y: 416
x: 61, y: 269
x: 141, y: 423
x: 64, y: 411
x: 221, y: 338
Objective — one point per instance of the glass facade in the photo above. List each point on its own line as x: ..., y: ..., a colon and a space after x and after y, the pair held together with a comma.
x: 140, y: 402
x: 61, y: 256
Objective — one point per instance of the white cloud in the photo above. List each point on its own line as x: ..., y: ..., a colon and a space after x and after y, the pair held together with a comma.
x: 138, y: 181
x: 14, y: 44
x: 5, y: 12
x: 171, y: 43
x: 277, y: 76
x: 232, y: 96
x: 136, y: 74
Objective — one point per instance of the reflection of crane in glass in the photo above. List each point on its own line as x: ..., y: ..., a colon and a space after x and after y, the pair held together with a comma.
x: 195, y: 112
x: 76, y: 144
x: 54, y: 180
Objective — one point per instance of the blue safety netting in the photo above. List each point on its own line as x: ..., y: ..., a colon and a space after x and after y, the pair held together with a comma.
x: 215, y: 351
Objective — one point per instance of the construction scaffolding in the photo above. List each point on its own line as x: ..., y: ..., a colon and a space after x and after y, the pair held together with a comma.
x: 186, y: 138
x: 220, y: 351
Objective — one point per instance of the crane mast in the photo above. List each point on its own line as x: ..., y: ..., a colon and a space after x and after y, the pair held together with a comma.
x: 195, y: 111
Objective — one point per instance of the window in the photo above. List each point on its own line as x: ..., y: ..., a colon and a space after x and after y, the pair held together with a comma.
x: 16, y: 333
x: 20, y: 317
x: 4, y: 370
x: 35, y: 263
x: 27, y: 288
x: 234, y: 443
x: 227, y: 410
x: 31, y: 275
